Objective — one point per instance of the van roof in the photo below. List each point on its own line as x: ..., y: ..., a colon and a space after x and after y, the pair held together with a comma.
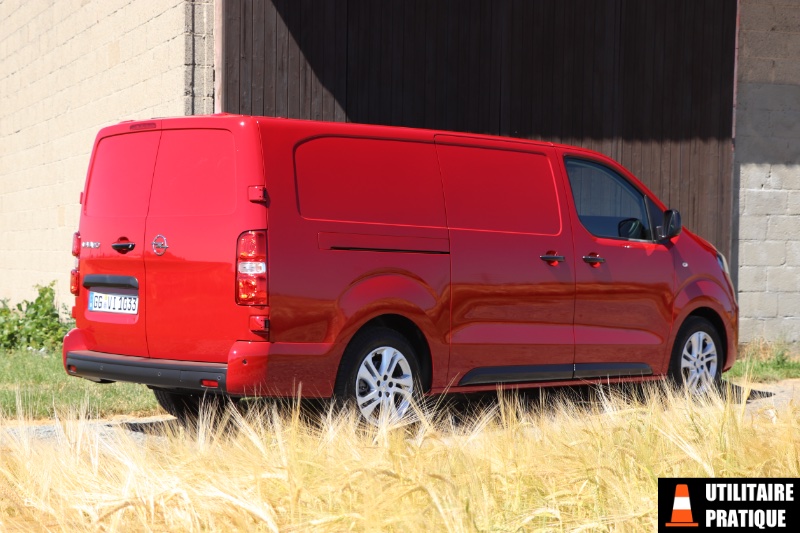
x: 229, y: 119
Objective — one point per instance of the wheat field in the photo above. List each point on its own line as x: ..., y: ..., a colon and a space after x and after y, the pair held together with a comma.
x: 547, y: 462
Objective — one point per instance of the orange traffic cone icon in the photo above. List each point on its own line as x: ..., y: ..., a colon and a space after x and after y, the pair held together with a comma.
x: 682, y: 509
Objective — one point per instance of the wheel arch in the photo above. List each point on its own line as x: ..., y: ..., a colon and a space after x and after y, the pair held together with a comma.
x: 716, y: 321
x: 706, y: 298
x: 410, y: 331
x: 726, y: 331
x: 407, y: 304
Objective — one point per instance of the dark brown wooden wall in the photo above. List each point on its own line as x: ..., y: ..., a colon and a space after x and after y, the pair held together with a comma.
x: 649, y: 83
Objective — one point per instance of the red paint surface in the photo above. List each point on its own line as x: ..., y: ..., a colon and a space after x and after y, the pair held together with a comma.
x: 445, y: 230
x: 623, y: 306
x: 509, y: 306
x: 120, y: 176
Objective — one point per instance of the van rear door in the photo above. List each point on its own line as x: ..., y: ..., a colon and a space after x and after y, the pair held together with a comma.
x: 110, y: 306
x: 197, y: 213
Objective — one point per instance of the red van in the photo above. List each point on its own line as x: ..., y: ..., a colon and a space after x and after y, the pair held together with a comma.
x: 252, y: 256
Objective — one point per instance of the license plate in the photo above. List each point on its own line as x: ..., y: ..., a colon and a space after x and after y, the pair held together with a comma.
x: 113, y: 303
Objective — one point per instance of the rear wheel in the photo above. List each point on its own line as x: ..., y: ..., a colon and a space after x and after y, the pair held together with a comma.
x: 697, y: 356
x: 380, y: 374
x: 186, y: 406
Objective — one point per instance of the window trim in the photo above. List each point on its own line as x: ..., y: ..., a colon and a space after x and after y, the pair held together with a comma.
x: 647, y: 204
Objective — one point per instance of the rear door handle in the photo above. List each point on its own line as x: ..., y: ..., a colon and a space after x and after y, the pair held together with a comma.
x: 593, y: 260
x: 123, y: 247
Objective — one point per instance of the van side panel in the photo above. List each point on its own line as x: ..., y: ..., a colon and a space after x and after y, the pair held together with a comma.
x: 367, y: 180
x: 511, y: 308
x: 357, y: 230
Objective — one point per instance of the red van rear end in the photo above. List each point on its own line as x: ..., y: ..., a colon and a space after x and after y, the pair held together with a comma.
x: 170, y: 211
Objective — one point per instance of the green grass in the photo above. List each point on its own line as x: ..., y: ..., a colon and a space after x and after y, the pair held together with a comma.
x: 35, y: 381
x: 763, y: 361
x: 38, y: 380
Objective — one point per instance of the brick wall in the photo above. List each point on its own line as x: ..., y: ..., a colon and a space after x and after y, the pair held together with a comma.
x: 767, y: 166
x: 68, y: 68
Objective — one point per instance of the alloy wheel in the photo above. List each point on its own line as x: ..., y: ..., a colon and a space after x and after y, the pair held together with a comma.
x: 699, y: 362
x: 384, y: 385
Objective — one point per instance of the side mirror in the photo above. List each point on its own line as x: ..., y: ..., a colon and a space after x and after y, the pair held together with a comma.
x: 672, y: 224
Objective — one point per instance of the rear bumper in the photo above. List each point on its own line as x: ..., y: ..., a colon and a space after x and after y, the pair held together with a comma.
x: 169, y: 374
x: 251, y: 369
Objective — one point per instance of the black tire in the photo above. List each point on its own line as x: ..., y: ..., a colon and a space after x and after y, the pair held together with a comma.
x: 399, y: 389
x: 701, y: 373
x: 186, y: 406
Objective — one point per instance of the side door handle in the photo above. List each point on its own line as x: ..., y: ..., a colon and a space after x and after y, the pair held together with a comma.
x: 593, y: 259
x: 552, y: 258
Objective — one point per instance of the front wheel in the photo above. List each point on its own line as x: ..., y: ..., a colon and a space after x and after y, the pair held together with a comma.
x: 697, y: 356
x: 380, y: 374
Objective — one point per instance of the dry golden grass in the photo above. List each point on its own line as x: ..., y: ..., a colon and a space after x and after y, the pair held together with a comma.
x: 552, y: 465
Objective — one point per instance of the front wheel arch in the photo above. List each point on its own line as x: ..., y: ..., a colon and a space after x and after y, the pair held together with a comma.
x: 697, y: 356
x: 709, y: 314
x: 708, y: 311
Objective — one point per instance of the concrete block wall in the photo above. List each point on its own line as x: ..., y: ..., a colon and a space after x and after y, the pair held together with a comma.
x: 767, y: 166
x: 68, y: 68
x: 200, y: 57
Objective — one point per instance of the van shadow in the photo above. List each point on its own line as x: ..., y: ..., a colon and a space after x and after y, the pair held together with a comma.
x: 737, y: 394
x: 462, y: 409
x: 151, y: 427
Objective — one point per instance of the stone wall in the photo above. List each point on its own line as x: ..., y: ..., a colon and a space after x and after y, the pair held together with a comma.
x: 767, y: 167
x: 68, y: 68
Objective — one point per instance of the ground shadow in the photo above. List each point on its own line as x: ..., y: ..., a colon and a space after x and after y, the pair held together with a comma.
x: 736, y: 393
x: 461, y: 409
x: 150, y: 427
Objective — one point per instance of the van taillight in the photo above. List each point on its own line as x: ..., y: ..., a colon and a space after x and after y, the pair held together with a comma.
x: 76, y: 244
x: 251, y: 268
x: 74, y: 275
x: 74, y: 281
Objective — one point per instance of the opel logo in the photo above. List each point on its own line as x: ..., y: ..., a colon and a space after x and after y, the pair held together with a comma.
x: 160, y: 245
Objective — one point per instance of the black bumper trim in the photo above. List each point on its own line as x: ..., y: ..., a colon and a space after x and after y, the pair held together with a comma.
x: 108, y: 280
x: 165, y: 373
x: 603, y: 370
x: 516, y: 374
x: 487, y: 375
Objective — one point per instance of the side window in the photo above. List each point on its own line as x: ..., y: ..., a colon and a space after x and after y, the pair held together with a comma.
x: 607, y: 205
